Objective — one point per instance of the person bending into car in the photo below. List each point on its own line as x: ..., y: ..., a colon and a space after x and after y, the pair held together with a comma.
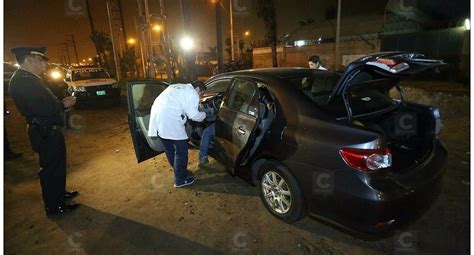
x: 169, y: 113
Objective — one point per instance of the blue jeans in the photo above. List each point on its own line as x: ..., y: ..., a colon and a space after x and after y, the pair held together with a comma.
x: 207, y: 136
x: 177, y: 154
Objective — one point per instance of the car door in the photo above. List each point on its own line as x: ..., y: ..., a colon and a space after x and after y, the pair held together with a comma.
x: 141, y: 95
x: 236, y: 122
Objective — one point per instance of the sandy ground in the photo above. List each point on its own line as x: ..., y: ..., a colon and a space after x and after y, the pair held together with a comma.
x: 130, y: 208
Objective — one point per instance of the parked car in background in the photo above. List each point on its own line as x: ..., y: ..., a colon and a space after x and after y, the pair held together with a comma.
x: 346, y: 148
x: 92, y: 85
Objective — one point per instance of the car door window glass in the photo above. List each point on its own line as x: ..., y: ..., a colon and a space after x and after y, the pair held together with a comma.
x: 219, y: 86
x: 144, y: 95
x: 241, y: 96
x: 317, y: 88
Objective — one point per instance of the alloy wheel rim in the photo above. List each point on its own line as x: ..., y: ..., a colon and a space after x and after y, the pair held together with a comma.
x: 276, y: 192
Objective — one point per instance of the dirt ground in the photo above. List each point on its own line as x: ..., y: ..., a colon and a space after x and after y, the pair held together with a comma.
x: 130, y: 208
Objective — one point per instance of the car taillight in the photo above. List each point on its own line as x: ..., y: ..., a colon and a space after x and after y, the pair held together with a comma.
x: 367, y: 160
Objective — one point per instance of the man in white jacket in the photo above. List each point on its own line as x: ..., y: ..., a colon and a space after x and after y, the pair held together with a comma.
x: 168, y: 115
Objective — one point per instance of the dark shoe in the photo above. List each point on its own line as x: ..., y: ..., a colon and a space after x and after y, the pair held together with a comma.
x: 188, y: 181
x: 12, y: 155
x: 70, y: 194
x: 61, y: 210
x: 203, y: 162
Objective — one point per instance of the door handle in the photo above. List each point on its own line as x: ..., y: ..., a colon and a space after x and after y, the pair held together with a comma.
x: 240, y: 130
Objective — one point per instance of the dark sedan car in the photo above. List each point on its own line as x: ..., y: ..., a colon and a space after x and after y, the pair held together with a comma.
x: 346, y: 148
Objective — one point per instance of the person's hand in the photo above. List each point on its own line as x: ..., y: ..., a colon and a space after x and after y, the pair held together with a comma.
x: 69, y: 101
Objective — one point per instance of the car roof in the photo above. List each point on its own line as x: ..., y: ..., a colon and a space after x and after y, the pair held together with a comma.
x: 85, y: 68
x: 278, y: 72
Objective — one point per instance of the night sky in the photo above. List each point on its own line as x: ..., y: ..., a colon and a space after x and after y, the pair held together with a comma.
x: 46, y: 22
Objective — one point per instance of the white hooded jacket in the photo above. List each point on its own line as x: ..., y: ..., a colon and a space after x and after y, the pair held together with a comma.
x: 171, y: 109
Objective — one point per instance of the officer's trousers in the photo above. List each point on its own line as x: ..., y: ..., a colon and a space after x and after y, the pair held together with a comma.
x: 51, y: 148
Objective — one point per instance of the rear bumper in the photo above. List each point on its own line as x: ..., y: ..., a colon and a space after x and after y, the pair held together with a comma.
x: 374, y: 203
x: 96, y: 96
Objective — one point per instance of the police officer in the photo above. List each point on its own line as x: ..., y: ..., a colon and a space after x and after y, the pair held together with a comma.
x: 45, y: 116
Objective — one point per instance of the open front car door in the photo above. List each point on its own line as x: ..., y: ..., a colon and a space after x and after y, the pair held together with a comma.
x: 141, y: 95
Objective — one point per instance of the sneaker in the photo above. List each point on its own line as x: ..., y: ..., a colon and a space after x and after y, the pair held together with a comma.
x: 203, y: 161
x: 188, y: 181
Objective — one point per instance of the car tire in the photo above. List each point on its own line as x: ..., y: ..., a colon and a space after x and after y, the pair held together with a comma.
x: 288, y: 207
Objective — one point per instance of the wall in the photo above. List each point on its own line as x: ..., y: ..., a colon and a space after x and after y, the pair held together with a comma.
x: 298, y: 56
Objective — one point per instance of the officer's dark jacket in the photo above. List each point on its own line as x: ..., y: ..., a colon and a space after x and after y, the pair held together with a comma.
x: 34, y: 100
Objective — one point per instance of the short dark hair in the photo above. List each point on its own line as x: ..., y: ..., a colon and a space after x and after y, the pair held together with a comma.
x: 314, y: 59
x: 199, y: 84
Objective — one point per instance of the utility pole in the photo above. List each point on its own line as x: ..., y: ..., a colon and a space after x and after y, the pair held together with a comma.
x: 149, y: 48
x: 123, y: 23
x: 117, y: 68
x: 338, y: 32
x: 91, y: 23
x: 166, y: 40
x: 231, y: 31
x: 67, y: 52
x: 75, y: 48
x: 219, y: 36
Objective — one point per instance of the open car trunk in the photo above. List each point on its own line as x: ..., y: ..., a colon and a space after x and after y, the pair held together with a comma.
x: 368, y: 97
x: 409, y: 132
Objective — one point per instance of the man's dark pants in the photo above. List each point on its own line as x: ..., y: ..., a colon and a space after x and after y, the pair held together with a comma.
x: 177, y: 154
x: 51, y: 149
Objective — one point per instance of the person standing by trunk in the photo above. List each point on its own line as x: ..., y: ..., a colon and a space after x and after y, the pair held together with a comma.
x: 314, y: 62
x: 45, y: 116
x: 168, y: 115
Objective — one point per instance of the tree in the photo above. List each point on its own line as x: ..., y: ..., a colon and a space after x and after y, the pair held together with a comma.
x: 213, y: 51
x: 104, y: 46
x: 266, y: 10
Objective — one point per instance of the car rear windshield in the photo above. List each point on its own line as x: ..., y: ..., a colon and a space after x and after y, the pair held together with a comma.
x: 88, y: 74
x: 317, y: 87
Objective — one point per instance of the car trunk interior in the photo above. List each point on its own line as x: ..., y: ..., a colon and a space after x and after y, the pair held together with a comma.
x: 408, y: 131
x: 375, y: 102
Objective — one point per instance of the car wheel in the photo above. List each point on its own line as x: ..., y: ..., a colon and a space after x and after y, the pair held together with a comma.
x: 280, y: 192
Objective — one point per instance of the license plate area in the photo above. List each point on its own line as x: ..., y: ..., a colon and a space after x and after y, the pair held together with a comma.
x: 100, y: 92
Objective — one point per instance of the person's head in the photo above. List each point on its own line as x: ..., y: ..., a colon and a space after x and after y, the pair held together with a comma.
x: 31, y: 59
x: 199, y: 86
x: 314, y: 62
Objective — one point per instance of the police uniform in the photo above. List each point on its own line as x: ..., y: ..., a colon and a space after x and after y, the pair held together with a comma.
x: 45, y: 116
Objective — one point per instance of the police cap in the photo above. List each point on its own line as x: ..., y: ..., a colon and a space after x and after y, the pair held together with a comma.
x: 22, y: 52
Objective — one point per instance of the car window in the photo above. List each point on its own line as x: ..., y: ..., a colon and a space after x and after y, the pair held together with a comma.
x: 241, y: 95
x: 86, y: 74
x: 317, y: 88
x: 144, y: 95
x: 219, y: 86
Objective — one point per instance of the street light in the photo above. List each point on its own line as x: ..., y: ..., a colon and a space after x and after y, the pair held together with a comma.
x: 157, y: 27
x: 187, y: 43
x: 247, y: 33
x: 90, y: 59
x: 131, y: 41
